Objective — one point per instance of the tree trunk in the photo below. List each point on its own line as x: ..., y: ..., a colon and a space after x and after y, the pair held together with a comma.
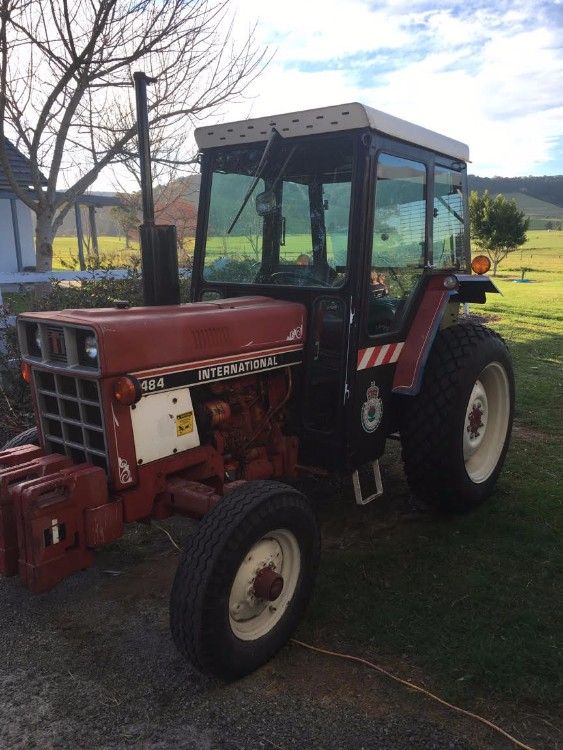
x: 44, y: 235
x: 495, y: 264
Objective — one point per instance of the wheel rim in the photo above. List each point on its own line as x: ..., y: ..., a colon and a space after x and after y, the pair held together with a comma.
x: 486, y: 422
x: 276, y: 555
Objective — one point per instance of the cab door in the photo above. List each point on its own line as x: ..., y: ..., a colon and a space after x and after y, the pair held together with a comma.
x: 396, y: 256
x: 328, y: 338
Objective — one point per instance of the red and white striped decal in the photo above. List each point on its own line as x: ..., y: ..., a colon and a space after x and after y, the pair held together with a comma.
x: 374, y: 356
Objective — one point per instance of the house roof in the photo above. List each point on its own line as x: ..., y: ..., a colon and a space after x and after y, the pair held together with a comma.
x: 21, y: 168
x: 328, y: 119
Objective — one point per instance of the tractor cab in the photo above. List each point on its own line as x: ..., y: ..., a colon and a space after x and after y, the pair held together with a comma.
x: 351, y: 212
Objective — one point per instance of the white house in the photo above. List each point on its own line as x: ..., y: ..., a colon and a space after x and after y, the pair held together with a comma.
x: 17, y: 250
x: 16, y: 228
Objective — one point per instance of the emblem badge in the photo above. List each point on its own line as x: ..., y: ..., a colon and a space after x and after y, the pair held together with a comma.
x: 372, y: 409
x: 56, y: 342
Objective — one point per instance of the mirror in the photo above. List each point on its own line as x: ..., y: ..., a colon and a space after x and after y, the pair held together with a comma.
x: 266, y: 203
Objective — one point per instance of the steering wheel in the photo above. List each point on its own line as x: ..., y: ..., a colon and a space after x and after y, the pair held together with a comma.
x: 378, y: 293
x: 278, y: 277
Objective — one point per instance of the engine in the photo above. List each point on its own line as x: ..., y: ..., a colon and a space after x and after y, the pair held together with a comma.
x: 245, y: 419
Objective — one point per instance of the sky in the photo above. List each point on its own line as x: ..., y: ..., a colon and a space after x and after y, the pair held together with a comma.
x: 489, y: 74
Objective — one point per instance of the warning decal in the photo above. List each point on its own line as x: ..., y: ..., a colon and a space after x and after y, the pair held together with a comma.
x: 184, y: 423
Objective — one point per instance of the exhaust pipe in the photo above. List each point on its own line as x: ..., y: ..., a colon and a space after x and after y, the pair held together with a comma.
x: 159, y: 247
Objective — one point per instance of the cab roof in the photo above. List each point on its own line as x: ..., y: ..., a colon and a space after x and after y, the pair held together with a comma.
x: 336, y: 118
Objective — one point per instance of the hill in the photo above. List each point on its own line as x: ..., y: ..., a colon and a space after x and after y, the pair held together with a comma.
x: 541, y: 198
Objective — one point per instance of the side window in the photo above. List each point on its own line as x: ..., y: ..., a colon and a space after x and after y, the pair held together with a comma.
x: 398, y: 249
x: 449, y: 220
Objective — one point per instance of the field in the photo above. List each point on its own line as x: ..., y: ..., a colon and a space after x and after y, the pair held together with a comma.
x: 112, y: 249
x: 467, y: 606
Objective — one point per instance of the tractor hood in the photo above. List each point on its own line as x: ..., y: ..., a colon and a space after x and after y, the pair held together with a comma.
x: 143, y: 338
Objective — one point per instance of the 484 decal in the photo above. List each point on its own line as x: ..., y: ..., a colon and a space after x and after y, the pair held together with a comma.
x: 148, y: 385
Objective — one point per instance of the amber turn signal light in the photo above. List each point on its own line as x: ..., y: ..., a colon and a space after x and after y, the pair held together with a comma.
x: 480, y: 264
x: 126, y: 390
x: 25, y: 369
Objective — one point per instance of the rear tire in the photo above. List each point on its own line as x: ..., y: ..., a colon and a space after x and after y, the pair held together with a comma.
x: 456, y: 432
x: 219, y: 621
x: 28, y: 437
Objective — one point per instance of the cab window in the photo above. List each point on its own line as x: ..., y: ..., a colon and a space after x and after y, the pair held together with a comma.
x: 399, y: 241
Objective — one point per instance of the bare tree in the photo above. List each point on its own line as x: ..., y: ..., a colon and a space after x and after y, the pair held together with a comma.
x: 66, y: 97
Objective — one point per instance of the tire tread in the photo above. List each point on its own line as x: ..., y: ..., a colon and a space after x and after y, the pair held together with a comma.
x: 425, y: 441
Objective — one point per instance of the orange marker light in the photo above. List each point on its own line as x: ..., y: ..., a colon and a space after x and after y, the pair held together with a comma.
x: 25, y: 369
x: 480, y: 264
x: 126, y: 390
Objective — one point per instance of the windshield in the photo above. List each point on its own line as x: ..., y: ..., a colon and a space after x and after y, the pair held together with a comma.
x: 294, y: 228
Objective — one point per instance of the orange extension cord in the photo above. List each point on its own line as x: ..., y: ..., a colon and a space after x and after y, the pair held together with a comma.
x: 411, y: 685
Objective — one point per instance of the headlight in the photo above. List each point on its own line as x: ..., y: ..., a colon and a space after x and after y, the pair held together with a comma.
x: 33, y: 340
x: 91, y: 347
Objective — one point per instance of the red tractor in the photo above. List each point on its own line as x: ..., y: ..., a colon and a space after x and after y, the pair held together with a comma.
x: 331, y: 259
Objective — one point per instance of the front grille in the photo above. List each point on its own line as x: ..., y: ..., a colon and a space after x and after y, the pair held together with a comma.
x: 71, y: 417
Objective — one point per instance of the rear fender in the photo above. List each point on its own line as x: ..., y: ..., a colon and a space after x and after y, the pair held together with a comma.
x: 426, y: 323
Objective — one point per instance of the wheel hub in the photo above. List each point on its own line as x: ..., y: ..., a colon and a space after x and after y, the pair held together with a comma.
x: 258, y: 573
x: 268, y: 584
x: 264, y: 584
x: 486, y: 422
x: 475, y: 420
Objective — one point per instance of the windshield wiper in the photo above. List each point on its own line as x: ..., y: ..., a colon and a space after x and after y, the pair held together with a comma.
x: 274, y: 136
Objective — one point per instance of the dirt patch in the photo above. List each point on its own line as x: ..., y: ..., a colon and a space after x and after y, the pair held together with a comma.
x: 483, y: 318
x: 530, y: 434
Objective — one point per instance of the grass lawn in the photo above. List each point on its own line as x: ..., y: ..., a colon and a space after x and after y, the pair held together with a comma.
x: 469, y: 605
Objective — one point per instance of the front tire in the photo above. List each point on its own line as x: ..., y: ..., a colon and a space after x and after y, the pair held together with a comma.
x: 245, y: 579
x: 456, y: 432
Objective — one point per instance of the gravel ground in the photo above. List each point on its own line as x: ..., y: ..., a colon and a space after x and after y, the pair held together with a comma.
x: 91, y: 664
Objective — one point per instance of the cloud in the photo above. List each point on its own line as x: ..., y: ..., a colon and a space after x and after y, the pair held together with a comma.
x: 490, y: 75
x: 487, y: 74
